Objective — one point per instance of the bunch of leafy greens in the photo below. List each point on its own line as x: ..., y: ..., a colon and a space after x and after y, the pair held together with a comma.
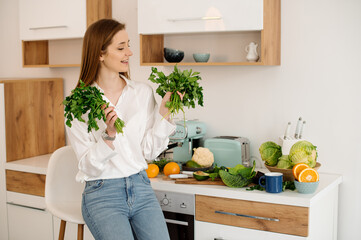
x: 214, y: 172
x: 270, y: 153
x: 238, y: 176
x: 303, y: 152
x: 186, y: 82
x: 87, y: 98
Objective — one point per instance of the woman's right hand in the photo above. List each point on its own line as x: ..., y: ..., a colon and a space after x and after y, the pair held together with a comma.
x: 111, y: 116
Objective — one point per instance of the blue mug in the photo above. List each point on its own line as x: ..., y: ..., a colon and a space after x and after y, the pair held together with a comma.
x: 273, y: 182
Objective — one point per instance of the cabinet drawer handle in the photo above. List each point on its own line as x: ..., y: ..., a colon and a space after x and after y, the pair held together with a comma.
x: 248, y: 216
x: 24, y: 206
x: 193, y: 19
x: 176, y: 222
x: 49, y: 27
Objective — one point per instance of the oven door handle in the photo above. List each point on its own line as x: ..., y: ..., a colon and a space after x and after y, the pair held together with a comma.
x: 176, y: 222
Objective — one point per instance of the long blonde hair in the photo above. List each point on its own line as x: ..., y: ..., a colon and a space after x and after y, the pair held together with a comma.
x: 97, y: 38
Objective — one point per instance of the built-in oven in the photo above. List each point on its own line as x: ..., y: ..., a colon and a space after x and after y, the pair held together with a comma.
x: 178, y: 210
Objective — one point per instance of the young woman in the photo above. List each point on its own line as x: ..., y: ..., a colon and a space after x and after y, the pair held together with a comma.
x: 118, y: 201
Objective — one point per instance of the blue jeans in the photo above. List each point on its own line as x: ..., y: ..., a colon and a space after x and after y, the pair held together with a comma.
x: 116, y: 209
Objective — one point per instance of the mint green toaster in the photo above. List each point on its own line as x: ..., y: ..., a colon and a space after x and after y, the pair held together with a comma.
x: 229, y: 151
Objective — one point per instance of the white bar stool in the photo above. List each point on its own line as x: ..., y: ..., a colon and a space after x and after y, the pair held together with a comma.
x: 63, y: 195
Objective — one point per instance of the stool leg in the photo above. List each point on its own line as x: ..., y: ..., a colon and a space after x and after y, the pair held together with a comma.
x: 62, y: 230
x: 80, y: 231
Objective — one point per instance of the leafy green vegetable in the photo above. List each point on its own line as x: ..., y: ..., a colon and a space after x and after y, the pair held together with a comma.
x: 270, y: 153
x: 303, y: 152
x: 186, y: 82
x: 290, y: 185
x: 239, y: 169
x: 284, y: 162
x: 255, y: 187
x: 242, y: 178
x: 84, y: 99
x: 214, y: 172
x: 213, y: 176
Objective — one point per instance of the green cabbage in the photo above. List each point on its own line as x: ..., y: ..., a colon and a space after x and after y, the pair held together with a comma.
x: 238, y: 176
x: 303, y: 152
x: 284, y: 162
x: 270, y: 153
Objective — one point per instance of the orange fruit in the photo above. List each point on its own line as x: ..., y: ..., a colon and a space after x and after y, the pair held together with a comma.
x: 298, y: 168
x: 171, y: 168
x: 308, y: 175
x: 152, y: 170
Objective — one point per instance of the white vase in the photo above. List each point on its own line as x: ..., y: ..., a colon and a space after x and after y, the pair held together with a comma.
x: 252, y: 54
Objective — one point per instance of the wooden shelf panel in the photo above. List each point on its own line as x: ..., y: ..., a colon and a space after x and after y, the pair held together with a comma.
x: 203, y: 64
x: 52, y: 66
x: 35, y: 115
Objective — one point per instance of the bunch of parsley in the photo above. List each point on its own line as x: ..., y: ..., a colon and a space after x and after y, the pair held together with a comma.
x: 186, y: 82
x: 87, y: 98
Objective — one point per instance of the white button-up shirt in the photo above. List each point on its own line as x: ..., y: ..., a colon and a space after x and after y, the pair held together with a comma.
x: 145, y: 136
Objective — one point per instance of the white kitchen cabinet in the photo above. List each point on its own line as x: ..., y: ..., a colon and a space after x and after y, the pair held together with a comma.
x: 52, y: 19
x: 187, y: 16
x: 203, y: 26
x: 52, y: 30
x: 212, y: 231
x: 29, y: 223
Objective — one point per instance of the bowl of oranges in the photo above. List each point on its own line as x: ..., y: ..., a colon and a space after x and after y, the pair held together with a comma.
x: 306, y: 178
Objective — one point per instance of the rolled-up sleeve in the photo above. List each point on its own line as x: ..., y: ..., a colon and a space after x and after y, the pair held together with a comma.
x: 92, y: 153
x: 158, y: 129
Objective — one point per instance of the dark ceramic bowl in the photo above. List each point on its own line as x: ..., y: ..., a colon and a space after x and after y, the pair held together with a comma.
x: 173, y: 55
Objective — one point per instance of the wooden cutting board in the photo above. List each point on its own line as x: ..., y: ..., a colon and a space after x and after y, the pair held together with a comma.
x: 192, y: 180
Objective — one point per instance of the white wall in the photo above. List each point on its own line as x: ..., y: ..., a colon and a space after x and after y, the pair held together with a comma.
x: 319, y: 79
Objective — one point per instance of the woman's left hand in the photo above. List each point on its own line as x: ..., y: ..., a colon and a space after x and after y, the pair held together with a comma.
x: 163, y: 110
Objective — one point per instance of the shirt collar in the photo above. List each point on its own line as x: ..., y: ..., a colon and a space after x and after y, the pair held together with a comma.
x: 129, y: 83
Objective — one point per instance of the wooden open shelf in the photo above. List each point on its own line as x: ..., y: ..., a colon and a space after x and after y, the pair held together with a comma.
x: 152, y: 46
x: 52, y: 66
x: 52, y: 53
x: 203, y: 64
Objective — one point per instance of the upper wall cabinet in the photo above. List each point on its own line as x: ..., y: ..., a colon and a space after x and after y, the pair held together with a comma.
x: 52, y: 19
x: 52, y: 30
x: 188, y: 16
x: 222, y: 28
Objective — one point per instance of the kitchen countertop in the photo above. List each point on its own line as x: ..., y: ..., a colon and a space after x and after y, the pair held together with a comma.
x: 288, y: 197
x: 38, y: 164
x: 327, y: 182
